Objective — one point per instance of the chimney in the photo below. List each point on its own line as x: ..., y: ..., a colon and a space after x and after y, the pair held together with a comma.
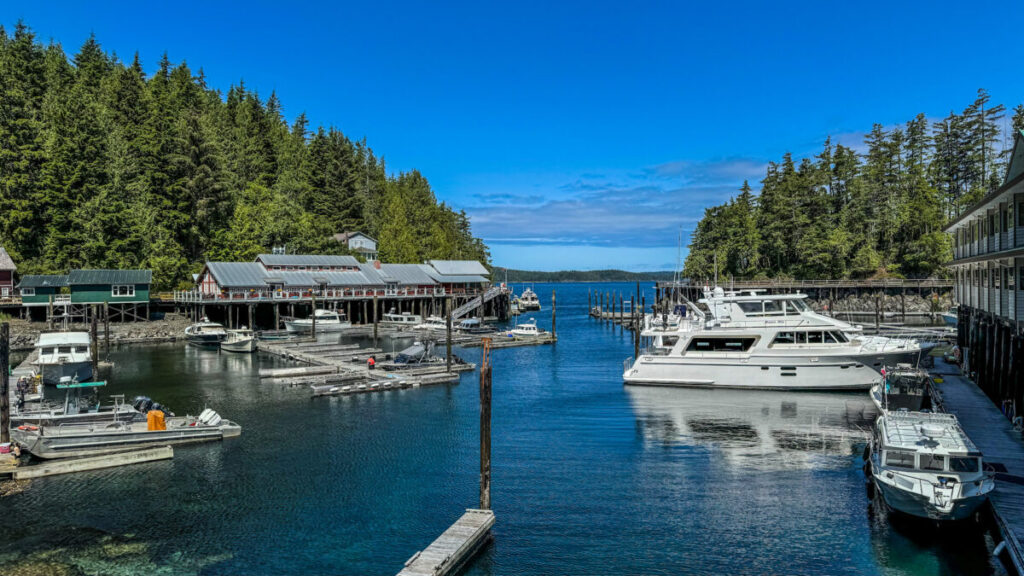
x: 376, y: 264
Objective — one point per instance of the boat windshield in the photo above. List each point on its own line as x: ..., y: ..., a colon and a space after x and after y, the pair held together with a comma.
x: 899, y: 459
x: 964, y: 464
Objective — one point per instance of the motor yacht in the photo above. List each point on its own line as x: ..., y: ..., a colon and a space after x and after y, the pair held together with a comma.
x: 433, y: 323
x: 401, y: 319
x: 528, y: 300
x: 924, y: 465
x: 526, y: 330
x: 326, y: 321
x: 205, y: 333
x: 754, y: 340
x: 242, y: 340
x: 64, y: 354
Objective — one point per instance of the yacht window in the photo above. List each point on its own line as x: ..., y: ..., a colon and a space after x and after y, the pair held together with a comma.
x: 814, y: 338
x: 830, y: 338
x: 799, y: 305
x: 47, y: 351
x: 899, y: 459
x: 842, y: 337
x: 933, y: 462
x: 785, y: 338
x: 669, y: 341
x: 773, y: 307
x: 963, y: 465
x: 81, y: 349
x: 64, y: 349
x: 801, y: 337
x: 720, y: 344
x: 751, y: 308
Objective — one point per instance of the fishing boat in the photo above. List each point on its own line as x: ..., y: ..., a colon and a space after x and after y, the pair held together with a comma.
x: 93, y: 439
x: 76, y: 409
x: 326, y: 321
x: 924, y: 465
x: 401, y: 319
x: 64, y: 354
x: 419, y: 355
x: 754, y: 340
x: 527, y: 330
x: 205, y: 333
x: 475, y: 326
x: 433, y: 323
x: 903, y: 388
x: 242, y: 340
x: 528, y: 300
x: 951, y: 317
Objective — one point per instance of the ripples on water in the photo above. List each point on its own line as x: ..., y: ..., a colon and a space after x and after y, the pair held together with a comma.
x: 590, y: 477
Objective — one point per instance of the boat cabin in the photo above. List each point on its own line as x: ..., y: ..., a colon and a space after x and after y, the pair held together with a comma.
x: 55, y: 347
x: 927, y: 441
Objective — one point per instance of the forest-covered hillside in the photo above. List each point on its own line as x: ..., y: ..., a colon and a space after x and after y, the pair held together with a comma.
x: 844, y: 213
x: 102, y: 165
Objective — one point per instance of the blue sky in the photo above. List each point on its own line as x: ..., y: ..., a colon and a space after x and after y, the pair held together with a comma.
x: 578, y: 135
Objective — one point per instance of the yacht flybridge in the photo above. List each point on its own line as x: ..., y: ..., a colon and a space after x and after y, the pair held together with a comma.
x: 755, y: 340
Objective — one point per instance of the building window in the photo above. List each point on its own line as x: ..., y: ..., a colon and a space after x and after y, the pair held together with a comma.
x: 1010, y: 278
x: 28, y: 291
x: 996, y: 278
x: 1020, y: 213
x: 122, y: 290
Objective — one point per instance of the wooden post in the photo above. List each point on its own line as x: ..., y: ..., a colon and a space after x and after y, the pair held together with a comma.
x: 5, y: 394
x: 252, y: 316
x: 49, y: 313
x: 448, y: 338
x: 636, y: 330
x: 877, y: 311
x: 106, y: 329
x: 312, y: 299
x: 485, y: 427
x: 903, y: 305
x: 375, y: 316
x: 553, y: 334
x: 277, y: 316
x: 590, y: 305
x: 94, y: 344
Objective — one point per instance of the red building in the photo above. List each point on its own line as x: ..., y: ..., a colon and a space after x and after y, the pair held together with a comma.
x: 7, y: 269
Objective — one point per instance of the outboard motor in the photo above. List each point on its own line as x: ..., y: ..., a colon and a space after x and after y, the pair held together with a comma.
x: 142, y: 404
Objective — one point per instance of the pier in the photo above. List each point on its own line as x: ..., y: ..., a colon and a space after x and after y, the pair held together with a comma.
x: 453, y: 547
x: 1003, y: 450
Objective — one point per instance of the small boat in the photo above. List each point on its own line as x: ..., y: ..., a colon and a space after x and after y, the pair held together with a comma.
x: 951, y: 317
x: 76, y: 409
x: 475, y: 326
x: 419, y: 355
x: 326, y: 321
x: 433, y: 323
x: 514, y: 308
x: 526, y: 330
x: 902, y: 388
x: 205, y: 333
x: 64, y: 354
x: 79, y: 440
x: 239, y: 341
x: 528, y: 300
x: 401, y: 319
x: 924, y: 465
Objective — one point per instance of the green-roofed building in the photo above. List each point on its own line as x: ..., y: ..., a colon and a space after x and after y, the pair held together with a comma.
x: 110, y: 286
x: 124, y: 292
x: 37, y: 289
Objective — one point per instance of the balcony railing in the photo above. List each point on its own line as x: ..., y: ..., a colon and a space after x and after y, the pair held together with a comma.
x: 254, y: 296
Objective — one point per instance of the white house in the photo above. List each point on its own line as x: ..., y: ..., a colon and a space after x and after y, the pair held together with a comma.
x: 359, y: 243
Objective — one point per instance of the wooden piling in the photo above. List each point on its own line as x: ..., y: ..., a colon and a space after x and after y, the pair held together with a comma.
x: 448, y: 337
x: 312, y: 299
x: 5, y: 393
x: 252, y: 316
x: 877, y: 311
x: 553, y: 334
x: 94, y: 341
x: 485, y: 427
x: 49, y: 313
x: 106, y: 330
x: 375, y: 319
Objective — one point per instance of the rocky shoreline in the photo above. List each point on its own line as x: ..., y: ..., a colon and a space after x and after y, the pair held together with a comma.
x: 865, y: 304
x: 172, y: 327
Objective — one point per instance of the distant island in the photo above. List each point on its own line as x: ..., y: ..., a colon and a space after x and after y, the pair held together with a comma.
x: 520, y: 276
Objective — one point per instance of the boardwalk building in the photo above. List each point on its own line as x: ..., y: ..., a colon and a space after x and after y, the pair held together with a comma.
x: 125, y: 293
x: 7, y: 270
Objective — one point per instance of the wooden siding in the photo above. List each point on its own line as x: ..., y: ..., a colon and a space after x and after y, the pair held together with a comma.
x: 89, y: 294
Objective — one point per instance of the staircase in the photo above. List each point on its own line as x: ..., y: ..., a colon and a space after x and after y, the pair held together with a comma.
x: 475, y: 303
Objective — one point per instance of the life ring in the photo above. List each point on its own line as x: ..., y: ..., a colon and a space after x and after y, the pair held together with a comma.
x: 29, y: 428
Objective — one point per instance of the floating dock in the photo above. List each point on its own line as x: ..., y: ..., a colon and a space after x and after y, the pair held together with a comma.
x: 453, y: 547
x: 1003, y: 450
x: 53, y: 467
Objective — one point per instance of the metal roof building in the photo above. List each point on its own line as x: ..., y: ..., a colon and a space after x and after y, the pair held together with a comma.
x: 459, y: 267
x: 308, y: 260
x: 404, y: 275
x: 43, y: 281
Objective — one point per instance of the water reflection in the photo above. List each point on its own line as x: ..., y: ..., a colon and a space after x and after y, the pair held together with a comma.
x: 761, y: 429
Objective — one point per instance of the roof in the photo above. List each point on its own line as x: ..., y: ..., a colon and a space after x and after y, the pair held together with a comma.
x: 43, y: 281
x: 459, y: 267
x: 58, y: 338
x: 6, y: 262
x: 346, y: 236
x: 330, y: 278
x: 307, y: 260
x: 933, y: 432
x: 238, y: 274
x: 452, y: 278
x: 80, y: 277
x: 405, y: 275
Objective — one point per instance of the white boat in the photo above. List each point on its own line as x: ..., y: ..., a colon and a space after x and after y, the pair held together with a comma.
x: 528, y: 300
x: 205, y: 333
x: 401, y: 319
x: 326, y: 321
x: 924, y: 465
x: 951, y: 317
x: 239, y: 341
x: 526, y: 330
x: 433, y: 323
x: 64, y: 354
x: 474, y: 326
x: 902, y: 388
x: 753, y: 340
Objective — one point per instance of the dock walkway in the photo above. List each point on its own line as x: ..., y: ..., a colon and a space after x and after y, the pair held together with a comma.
x: 453, y: 547
x: 1001, y: 445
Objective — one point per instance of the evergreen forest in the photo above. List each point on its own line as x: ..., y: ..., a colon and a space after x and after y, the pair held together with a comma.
x: 871, y: 213
x: 105, y: 166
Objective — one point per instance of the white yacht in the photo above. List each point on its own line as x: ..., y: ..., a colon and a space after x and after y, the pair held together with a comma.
x: 326, y: 321
x: 64, y: 354
x: 528, y: 300
x: 242, y: 340
x: 433, y: 323
x: 205, y: 333
x: 401, y: 319
x: 924, y: 465
x: 754, y: 340
x: 526, y: 330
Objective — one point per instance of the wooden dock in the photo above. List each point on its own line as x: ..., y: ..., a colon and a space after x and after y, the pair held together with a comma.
x: 453, y: 547
x: 1001, y: 445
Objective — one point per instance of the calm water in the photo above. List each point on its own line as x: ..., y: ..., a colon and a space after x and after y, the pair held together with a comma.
x: 590, y: 477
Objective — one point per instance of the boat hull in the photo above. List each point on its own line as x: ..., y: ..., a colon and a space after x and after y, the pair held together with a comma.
x: 321, y: 327
x: 242, y: 347
x: 917, y: 505
x: 205, y: 340
x: 52, y: 373
x: 53, y: 419
x: 94, y: 441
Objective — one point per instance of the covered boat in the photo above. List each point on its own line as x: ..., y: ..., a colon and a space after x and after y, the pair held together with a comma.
x: 64, y: 354
x: 242, y: 340
x: 326, y: 321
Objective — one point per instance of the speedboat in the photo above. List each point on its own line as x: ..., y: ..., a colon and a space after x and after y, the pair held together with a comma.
x: 433, y: 323
x: 419, y: 355
x: 401, y: 319
x: 951, y: 317
x: 326, y: 321
x: 205, y: 333
x: 528, y: 300
x: 93, y: 439
x: 924, y: 465
x: 753, y: 340
x: 239, y: 341
x: 64, y: 354
x: 902, y: 388
x: 526, y: 330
